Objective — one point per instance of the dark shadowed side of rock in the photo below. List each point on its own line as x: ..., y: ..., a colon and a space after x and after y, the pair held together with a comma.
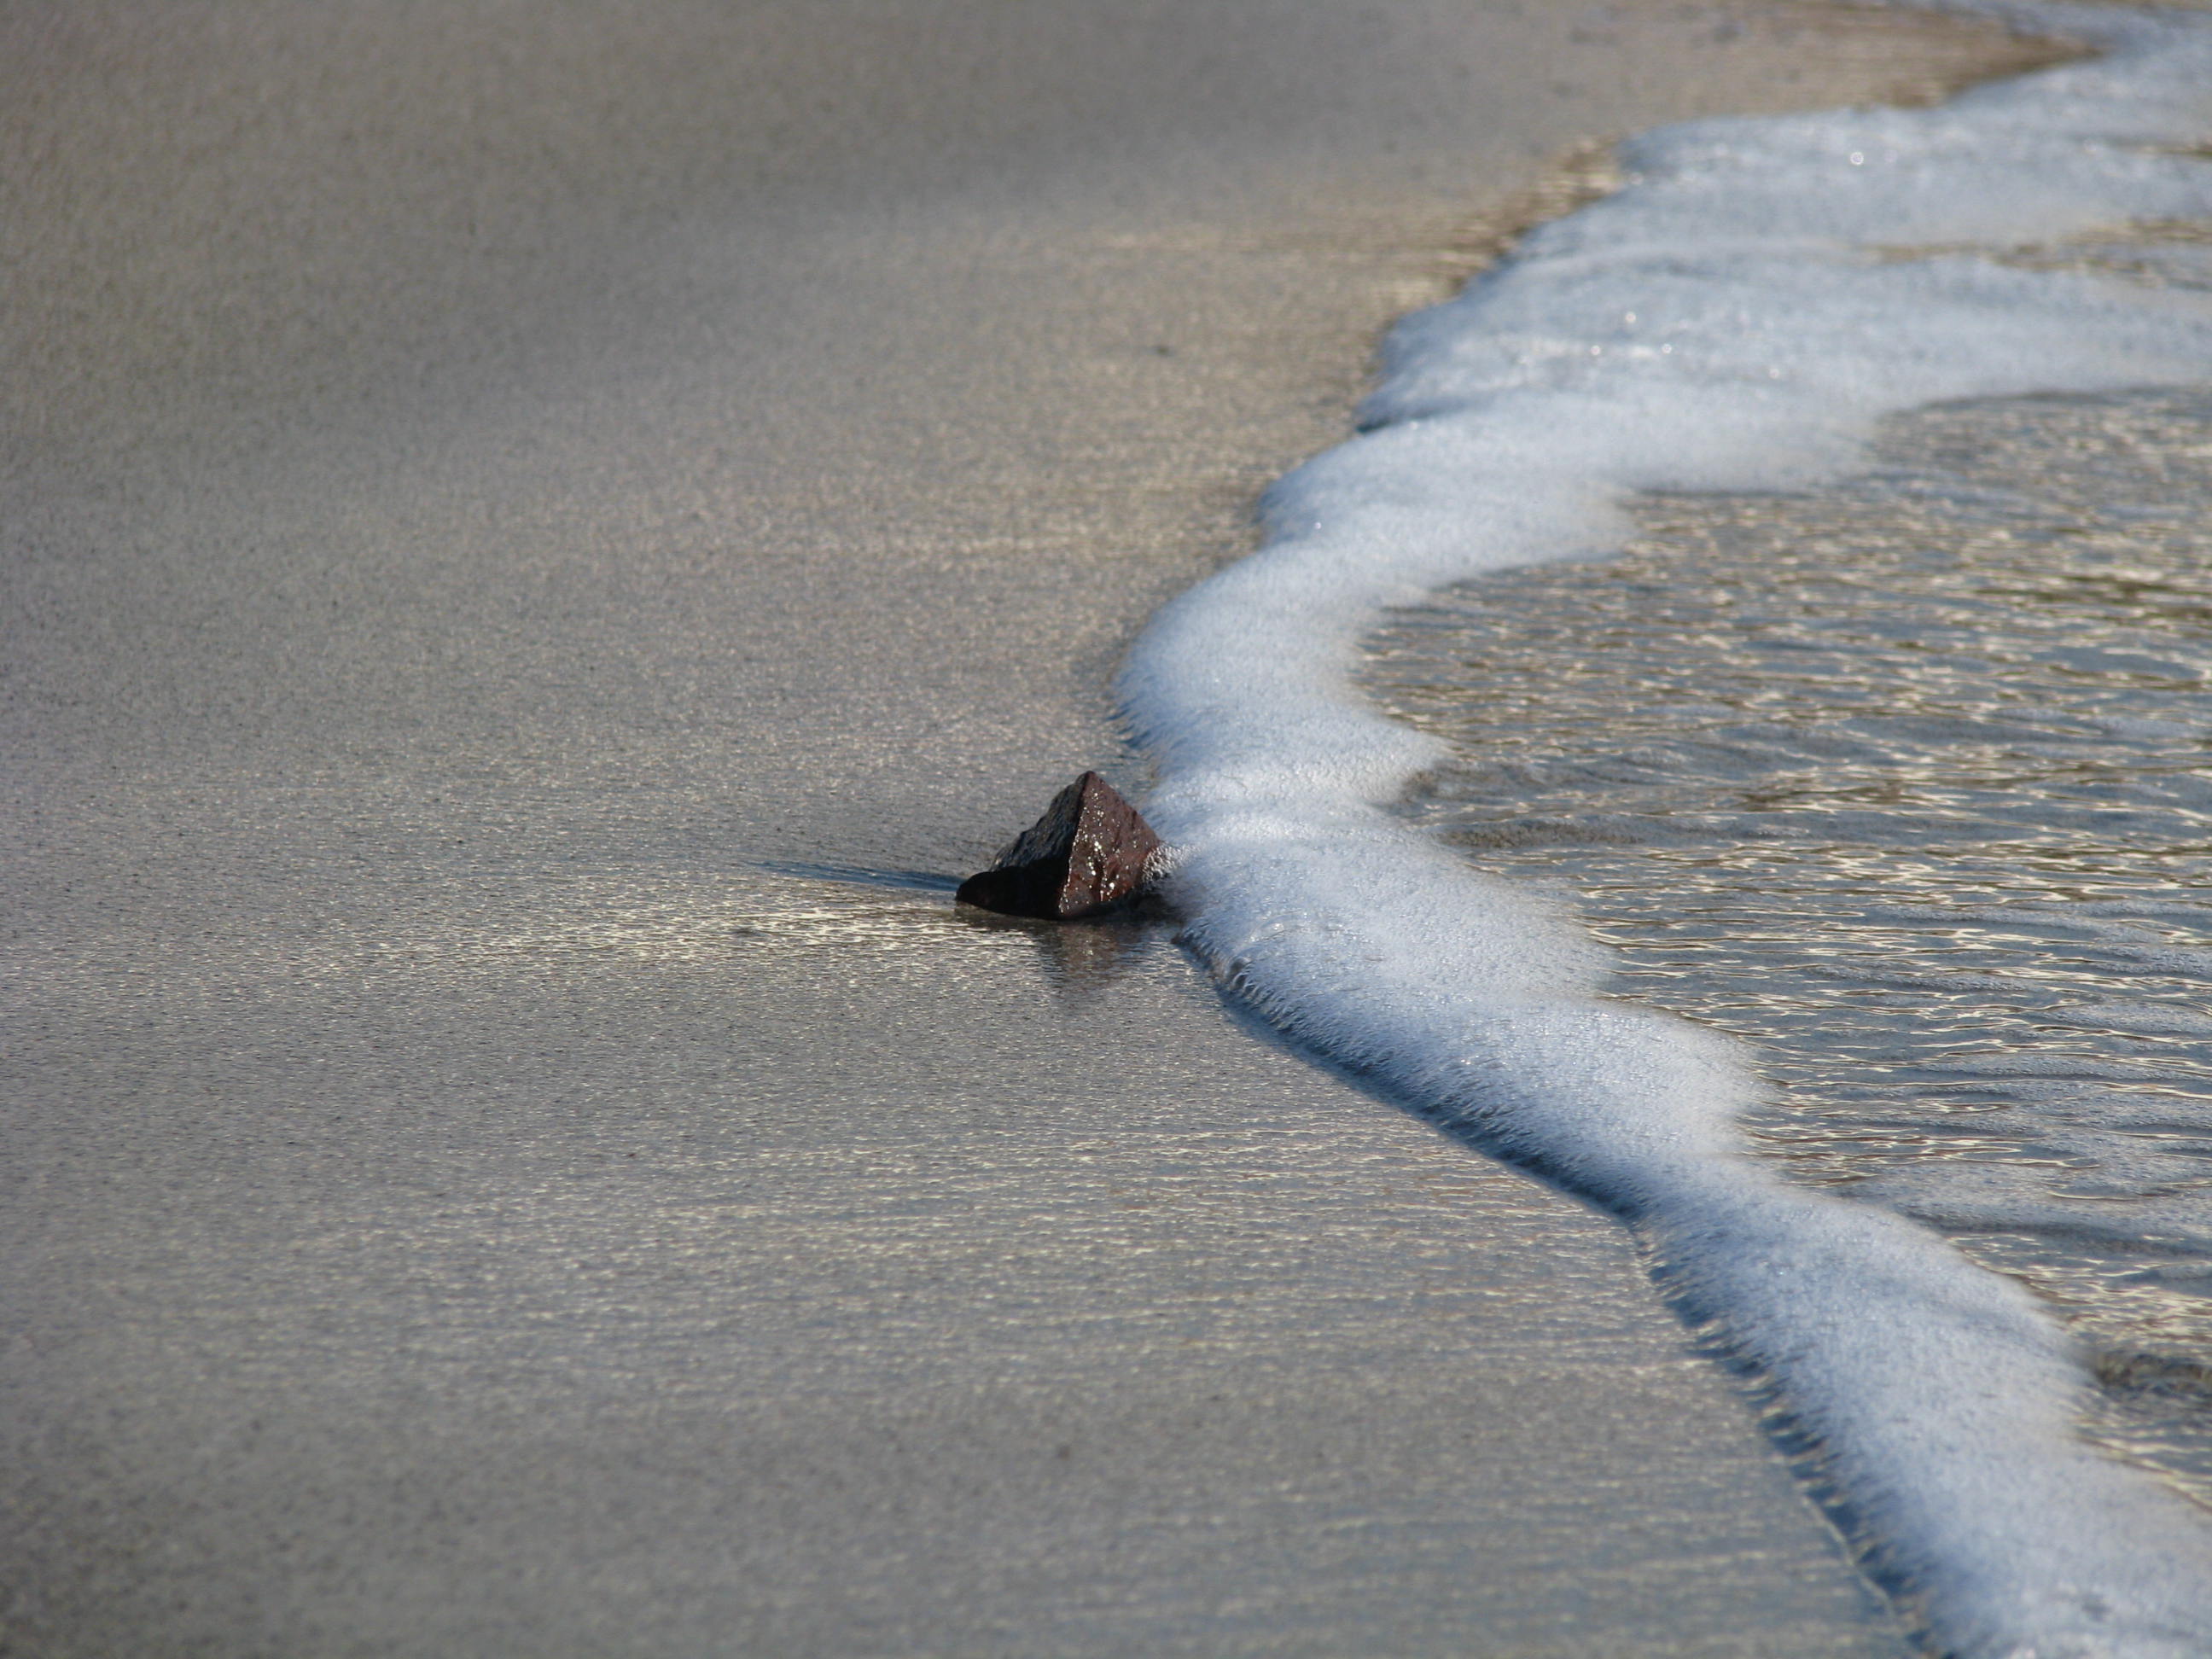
x: 1088, y: 852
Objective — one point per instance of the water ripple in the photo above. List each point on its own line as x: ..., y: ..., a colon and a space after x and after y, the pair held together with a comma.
x: 1906, y: 782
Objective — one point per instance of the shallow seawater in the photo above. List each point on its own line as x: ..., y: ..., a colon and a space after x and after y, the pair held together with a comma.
x: 1907, y: 782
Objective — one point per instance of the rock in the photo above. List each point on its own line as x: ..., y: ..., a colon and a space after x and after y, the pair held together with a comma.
x: 1088, y: 852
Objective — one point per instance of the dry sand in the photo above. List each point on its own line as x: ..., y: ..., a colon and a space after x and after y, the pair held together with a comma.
x: 522, y: 522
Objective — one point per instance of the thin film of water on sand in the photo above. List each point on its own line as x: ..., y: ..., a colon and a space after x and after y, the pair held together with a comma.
x: 1906, y: 782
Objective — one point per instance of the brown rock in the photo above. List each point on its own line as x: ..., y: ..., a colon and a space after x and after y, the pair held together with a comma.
x: 1087, y: 853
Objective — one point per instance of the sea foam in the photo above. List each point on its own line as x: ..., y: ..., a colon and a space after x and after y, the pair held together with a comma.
x: 1736, y: 317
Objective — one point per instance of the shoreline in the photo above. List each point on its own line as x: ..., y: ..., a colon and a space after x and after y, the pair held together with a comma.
x: 482, y: 1201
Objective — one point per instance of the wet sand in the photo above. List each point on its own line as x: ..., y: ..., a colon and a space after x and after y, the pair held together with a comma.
x: 531, y: 535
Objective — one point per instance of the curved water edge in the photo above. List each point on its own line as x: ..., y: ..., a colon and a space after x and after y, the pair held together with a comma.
x: 1737, y: 317
x: 1903, y: 781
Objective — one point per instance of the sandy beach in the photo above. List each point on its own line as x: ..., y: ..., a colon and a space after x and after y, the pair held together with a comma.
x: 533, y: 538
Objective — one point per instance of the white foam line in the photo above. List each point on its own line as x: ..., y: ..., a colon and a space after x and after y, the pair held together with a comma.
x: 1738, y: 316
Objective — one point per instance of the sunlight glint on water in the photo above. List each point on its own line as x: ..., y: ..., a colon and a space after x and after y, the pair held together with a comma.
x: 1909, y: 783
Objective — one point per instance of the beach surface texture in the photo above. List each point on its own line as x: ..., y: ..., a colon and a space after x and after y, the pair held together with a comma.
x: 535, y: 540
